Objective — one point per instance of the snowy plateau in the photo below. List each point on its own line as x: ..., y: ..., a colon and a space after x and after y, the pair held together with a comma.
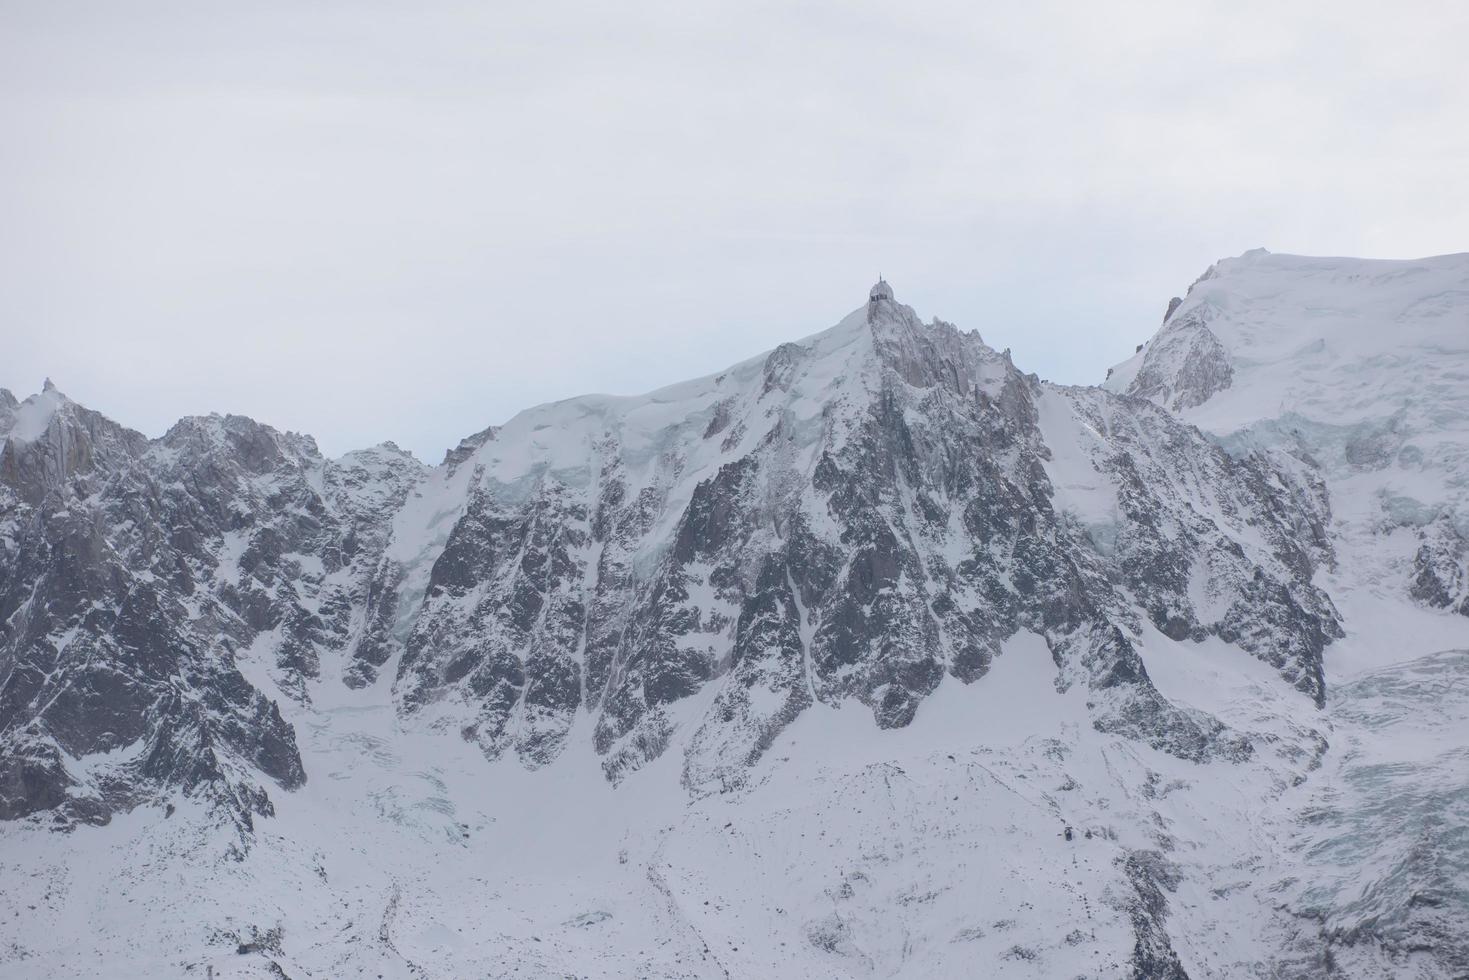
x: 871, y: 656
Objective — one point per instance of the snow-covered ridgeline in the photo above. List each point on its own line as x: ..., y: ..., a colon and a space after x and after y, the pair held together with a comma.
x: 865, y: 623
x: 1359, y: 368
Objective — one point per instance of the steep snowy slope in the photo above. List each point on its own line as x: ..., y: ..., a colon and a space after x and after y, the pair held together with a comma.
x: 1355, y: 374
x: 871, y: 656
x: 936, y: 850
x: 1359, y: 367
x: 855, y: 516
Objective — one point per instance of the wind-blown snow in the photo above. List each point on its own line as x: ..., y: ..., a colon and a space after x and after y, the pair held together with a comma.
x: 34, y: 414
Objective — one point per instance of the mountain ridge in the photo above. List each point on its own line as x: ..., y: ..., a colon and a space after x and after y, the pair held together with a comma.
x: 866, y: 532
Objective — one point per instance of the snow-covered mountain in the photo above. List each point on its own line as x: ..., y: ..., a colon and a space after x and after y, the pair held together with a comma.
x: 871, y: 656
x: 1358, y: 368
x: 1356, y: 372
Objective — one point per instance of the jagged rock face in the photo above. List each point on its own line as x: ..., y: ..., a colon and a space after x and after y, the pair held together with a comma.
x: 1152, y: 877
x: 859, y: 516
x: 1349, y: 375
x: 1349, y: 370
x: 886, y: 518
x: 1185, y: 366
x: 856, y: 517
x: 49, y: 452
x: 1441, y: 568
x: 503, y: 617
x: 1181, y: 548
x: 139, y: 577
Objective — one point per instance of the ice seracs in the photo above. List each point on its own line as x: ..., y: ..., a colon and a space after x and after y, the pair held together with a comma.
x: 1357, y: 367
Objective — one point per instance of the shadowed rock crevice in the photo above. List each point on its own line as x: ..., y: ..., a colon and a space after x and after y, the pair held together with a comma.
x: 862, y: 516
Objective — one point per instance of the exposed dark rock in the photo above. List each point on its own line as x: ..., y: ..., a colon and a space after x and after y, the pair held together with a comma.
x: 902, y: 532
x: 1152, y: 877
x: 1440, y: 576
x: 135, y: 575
x: 1184, y: 366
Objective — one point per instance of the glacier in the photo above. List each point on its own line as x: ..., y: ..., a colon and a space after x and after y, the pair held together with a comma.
x: 870, y: 656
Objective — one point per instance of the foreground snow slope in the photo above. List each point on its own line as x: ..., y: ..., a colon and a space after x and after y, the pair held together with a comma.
x: 931, y: 851
x: 936, y: 850
x: 872, y: 656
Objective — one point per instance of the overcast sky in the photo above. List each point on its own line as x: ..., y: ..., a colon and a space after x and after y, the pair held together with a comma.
x: 407, y: 221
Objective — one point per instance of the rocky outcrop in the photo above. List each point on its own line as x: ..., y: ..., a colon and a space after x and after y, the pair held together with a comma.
x: 884, y: 519
x: 1352, y: 368
x: 1185, y: 365
x: 1440, y: 576
x: 862, y: 516
x: 890, y: 518
x: 142, y: 580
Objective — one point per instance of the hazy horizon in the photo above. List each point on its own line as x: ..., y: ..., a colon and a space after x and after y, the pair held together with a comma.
x: 432, y: 457
x: 398, y: 223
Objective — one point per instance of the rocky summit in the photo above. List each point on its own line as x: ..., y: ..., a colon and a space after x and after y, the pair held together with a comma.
x: 873, y: 655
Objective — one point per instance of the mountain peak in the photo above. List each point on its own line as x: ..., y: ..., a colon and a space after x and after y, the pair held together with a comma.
x: 1358, y: 364
x: 33, y: 416
x: 1267, y: 333
x: 1095, y: 622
